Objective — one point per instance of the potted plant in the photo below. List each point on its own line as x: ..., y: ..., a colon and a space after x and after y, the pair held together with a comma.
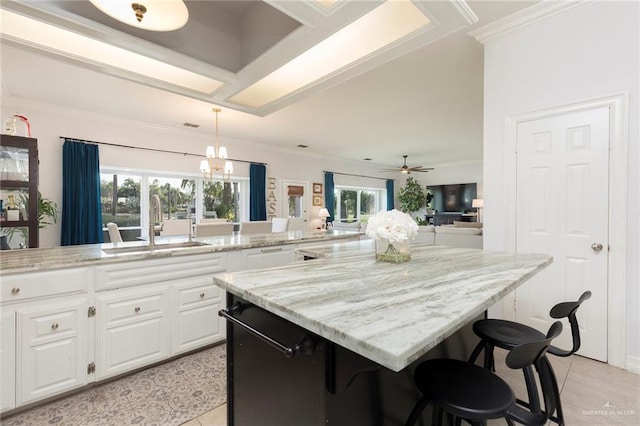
x: 412, y: 196
x: 47, y: 211
x: 47, y: 215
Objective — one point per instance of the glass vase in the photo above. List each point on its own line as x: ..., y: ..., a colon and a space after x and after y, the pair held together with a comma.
x: 387, y: 251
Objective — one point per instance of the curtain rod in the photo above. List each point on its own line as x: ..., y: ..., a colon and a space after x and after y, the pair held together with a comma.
x: 349, y: 174
x: 154, y: 149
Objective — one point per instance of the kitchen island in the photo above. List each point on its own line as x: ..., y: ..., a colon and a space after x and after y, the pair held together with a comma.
x: 76, y: 315
x: 357, y: 328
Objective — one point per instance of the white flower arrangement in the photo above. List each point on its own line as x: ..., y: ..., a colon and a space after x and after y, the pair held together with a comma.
x: 393, y: 225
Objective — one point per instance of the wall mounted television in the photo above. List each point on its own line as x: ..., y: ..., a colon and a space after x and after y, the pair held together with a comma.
x: 451, y: 198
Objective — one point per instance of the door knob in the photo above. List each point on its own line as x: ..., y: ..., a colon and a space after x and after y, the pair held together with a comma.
x: 596, y: 247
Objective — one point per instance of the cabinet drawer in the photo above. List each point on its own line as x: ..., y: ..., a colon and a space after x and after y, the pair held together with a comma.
x: 52, y: 326
x: 150, y: 305
x: 20, y: 287
x: 191, y: 296
x: 128, y: 274
x: 267, y: 257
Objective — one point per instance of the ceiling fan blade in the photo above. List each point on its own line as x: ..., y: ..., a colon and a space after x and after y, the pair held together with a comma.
x: 420, y: 169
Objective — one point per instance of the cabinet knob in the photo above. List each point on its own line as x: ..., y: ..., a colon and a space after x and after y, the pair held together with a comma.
x: 54, y: 326
x: 137, y: 309
x: 201, y: 295
x: 15, y: 290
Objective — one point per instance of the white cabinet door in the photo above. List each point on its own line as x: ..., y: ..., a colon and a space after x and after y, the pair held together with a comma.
x: 132, y: 329
x: 7, y: 360
x: 196, y: 322
x: 268, y: 257
x: 51, y: 354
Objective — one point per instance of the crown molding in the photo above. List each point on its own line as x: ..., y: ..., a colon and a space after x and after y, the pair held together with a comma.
x: 465, y: 10
x: 538, y: 12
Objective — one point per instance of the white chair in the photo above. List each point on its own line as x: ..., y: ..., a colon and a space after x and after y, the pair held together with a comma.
x: 114, y: 233
x: 296, y: 224
x: 279, y: 224
x: 175, y: 227
x: 213, y: 220
x: 256, y: 227
x: 213, y: 229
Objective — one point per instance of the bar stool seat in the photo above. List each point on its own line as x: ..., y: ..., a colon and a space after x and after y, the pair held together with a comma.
x: 462, y: 389
x: 475, y: 394
x: 505, y: 334
x: 509, y: 334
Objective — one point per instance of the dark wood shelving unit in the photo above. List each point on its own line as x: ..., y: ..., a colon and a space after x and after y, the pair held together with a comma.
x: 28, y: 187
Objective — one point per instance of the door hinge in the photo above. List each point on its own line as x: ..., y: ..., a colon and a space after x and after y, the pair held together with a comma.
x: 91, y: 312
x: 514, y: 305
x: 91, y: 368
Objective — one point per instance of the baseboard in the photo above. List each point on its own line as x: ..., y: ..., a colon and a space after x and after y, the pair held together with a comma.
x: 633, y: 364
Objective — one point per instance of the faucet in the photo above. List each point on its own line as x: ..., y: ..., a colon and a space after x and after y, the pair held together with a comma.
x: 154, y: 207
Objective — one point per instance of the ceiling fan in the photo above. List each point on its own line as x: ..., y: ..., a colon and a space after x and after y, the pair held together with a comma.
x: 407, y: 170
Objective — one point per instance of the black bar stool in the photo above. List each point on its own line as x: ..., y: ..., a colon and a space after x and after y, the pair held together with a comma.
x: 467, y: 391
x: 509, y: 334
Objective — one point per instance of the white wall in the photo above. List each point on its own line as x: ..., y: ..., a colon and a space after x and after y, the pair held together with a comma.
x: 49, y: 122
x: 586, y: 52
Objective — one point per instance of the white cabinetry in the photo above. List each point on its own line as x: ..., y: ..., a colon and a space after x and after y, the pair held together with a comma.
x: 196, y: 305
x: 45, y: 331
x: 268, y: 257
x: 58, y: 327
x: 149, y: 310
x: 52, y: 349
x: 132, y: 329
x: 7, y: 360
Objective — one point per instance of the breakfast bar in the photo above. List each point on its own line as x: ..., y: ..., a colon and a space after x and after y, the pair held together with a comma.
x: 334, y: 340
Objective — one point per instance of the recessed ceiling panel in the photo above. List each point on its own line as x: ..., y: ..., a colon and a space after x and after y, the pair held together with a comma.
x: 225, y: 34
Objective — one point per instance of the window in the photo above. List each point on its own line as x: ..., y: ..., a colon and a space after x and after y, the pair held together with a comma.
x: 356, y: 204
x: 125, y: 198
x: 120, y: 199
x: 177, y: 196
x: 222, y: 200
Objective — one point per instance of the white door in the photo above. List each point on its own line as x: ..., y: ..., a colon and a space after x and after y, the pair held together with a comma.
x: 52, y: 355
x: 295, y: 195
x: 562, y: 210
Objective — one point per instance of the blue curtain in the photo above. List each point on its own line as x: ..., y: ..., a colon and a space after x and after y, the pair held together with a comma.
x: 257, y: 192
x: 81, y: 212
x: 389, y: 194
x: 329, y: 188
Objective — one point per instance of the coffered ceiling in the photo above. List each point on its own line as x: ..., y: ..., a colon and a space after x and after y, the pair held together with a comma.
x: 414, y: 88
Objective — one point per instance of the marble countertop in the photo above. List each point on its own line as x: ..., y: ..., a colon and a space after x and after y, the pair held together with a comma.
x: 389, y: 313
x: 352, y: 248
x: 16, y: 261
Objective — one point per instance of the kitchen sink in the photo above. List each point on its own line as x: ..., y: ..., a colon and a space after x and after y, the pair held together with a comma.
x: 153, y: 249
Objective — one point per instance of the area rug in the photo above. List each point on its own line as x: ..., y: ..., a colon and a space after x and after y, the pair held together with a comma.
x: 168, y: 394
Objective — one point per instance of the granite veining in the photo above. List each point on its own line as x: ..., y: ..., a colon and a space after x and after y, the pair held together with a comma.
x: 389, y: 313
x: 29, y: 260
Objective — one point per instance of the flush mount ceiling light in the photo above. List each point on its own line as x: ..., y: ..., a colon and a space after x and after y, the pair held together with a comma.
x: 152, y: 15
x: 216, y: 155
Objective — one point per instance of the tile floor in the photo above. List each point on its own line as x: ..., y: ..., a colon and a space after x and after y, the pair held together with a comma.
x: 215, y: 417
x: 593, y: 393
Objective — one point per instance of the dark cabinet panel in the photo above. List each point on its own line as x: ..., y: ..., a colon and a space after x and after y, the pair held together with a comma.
x: 19, y: 187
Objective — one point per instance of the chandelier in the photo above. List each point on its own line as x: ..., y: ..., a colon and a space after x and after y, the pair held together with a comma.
x: 216, y: 156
